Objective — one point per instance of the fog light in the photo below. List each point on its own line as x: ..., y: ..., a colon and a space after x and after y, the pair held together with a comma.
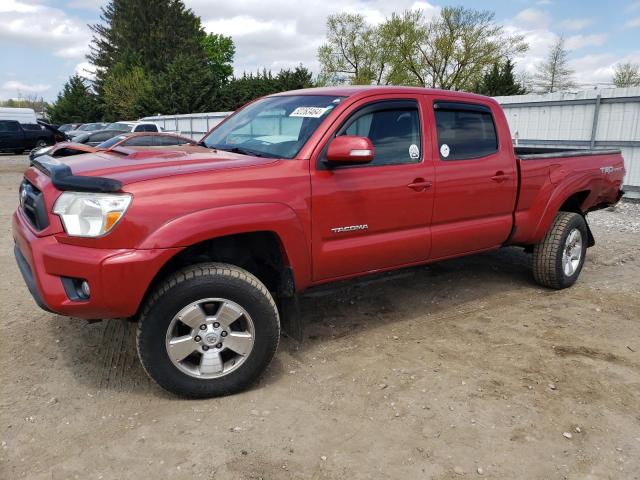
x: 86, y: 291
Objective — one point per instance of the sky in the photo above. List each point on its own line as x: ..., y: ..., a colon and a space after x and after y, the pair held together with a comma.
x: 43, y: 42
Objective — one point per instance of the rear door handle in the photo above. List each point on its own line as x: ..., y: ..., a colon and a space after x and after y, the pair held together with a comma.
x: 500, y: 177
x: 420, y: 185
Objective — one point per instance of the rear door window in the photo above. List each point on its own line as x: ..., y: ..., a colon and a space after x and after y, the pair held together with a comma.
x: 465, y: 131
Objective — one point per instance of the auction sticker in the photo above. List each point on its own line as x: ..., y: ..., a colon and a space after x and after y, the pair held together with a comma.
x: 414, y: 151
x: 444, y: 150
x: 308, y: 112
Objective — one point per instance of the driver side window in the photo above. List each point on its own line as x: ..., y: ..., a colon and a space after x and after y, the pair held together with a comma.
x: 394, y: 129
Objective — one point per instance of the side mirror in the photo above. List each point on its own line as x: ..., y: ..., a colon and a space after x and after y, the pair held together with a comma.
x: 349, y: 149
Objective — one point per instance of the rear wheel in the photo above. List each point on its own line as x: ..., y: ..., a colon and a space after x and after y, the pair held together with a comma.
x: 208, y: 330
x: 559, y: 257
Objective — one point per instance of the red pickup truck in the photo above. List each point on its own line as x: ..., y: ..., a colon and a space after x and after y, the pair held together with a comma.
x: 208, y: 249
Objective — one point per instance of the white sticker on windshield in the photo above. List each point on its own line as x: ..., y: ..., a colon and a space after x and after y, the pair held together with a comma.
x: 444, y: 150
x: 414, y: 151
x: 308, y: 112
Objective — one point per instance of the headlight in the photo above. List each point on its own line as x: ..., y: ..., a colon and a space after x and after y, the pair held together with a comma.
x: 90, y: 214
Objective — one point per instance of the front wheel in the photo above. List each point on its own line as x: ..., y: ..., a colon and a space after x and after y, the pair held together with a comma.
x: 209, y: 330
x: 559, y: 257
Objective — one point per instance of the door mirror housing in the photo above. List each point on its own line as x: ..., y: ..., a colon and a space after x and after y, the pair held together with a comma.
x: 350, y: 149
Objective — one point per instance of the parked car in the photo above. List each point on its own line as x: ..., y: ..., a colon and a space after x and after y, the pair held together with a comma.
x: 136, y: 127
x: 94, y: 138
x: 209, y: 251
x: 131, y: 141
x: 17, y: 137
x: 86, y: 128
x: 65, y: 127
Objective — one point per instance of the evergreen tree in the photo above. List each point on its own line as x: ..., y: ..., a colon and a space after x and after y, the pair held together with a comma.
x: 75, y: 103
x: 500, y: 80
x: 157, y: 57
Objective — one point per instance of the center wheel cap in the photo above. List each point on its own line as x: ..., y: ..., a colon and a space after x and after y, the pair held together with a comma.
x: 211, y: 339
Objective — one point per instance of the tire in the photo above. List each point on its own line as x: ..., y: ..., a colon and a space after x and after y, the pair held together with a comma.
x: 550, y: 267
x: 212, y: 288
x: 40, y: 143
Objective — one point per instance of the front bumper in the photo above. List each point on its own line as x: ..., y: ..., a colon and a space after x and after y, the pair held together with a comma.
x: 118, y: 278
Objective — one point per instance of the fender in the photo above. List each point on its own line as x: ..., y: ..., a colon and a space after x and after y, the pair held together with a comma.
x: 568, y: 186
x: 218, y: 222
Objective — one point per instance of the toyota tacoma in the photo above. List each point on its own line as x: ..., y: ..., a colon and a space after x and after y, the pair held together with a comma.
x: 208, y: 250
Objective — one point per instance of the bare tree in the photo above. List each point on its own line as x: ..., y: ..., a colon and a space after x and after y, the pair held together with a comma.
x: 555, y: 74
x: 626, y: 75
x: 353, y: 52
x: 450, y: 51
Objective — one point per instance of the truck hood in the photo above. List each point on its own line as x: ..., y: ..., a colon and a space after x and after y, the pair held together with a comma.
x: 149, y: 164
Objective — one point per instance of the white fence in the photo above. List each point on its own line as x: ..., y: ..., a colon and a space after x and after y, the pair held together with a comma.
x: 193, y: 125
x: 608, y: 118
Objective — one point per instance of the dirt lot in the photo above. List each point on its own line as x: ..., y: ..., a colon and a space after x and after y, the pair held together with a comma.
x: 460, y: 369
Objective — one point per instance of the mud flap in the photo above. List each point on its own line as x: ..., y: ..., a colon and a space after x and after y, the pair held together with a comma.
x: 591, y: 241
x: 291, y: 320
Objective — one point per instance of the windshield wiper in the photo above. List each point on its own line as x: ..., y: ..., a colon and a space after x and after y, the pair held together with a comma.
x: 245, y: 151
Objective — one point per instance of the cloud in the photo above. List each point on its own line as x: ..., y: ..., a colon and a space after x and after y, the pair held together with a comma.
x: 43, y: 27
x: 576, y: 23
x: 281, y: 33
x: 532, y: 18
x: 576, y: 42
x: 633, y: 23
x: 19, y: 87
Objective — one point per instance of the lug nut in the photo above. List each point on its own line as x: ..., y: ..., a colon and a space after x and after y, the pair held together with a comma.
x: 216, y: 324
x: 203, y: 327
x: 205, y: 348
x: 219, y: 345
x: 224, y: 334
x: 197, y: 338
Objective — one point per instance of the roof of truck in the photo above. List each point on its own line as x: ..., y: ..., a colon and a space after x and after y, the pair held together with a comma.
x: 352, y: 90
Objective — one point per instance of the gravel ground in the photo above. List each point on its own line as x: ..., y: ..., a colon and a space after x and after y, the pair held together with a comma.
x: 461, y: 369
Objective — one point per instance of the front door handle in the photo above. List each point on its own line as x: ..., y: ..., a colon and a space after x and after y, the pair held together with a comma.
x: 500, y: 177
x: 420, y: 185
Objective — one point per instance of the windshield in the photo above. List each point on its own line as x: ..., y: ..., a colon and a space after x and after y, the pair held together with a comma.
x: 122, y: 127
x: 112, y: 141
x: 275, y: 127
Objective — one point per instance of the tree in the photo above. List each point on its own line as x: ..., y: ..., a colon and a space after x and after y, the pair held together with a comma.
x: 450, y: 51
x: 157, y: 57
x: 626, y: 75
x: 154, y: 33
x: 352, y: 52
x: 220, y: 51
x: 500, y: 80
x: 555, y: 74
x: 249, y: 87
x: 125, y: 93
x: 75, y: 103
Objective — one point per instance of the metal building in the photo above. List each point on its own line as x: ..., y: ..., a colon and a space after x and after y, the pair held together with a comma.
x: 589, y: 119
